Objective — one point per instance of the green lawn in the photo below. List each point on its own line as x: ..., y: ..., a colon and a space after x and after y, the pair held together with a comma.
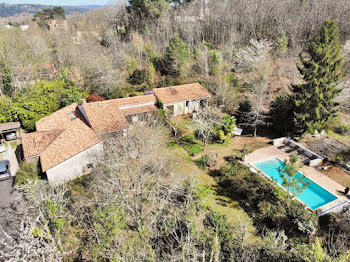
x: 186, y: 166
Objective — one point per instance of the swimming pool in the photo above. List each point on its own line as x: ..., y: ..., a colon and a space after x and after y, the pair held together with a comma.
x: 313, y: 196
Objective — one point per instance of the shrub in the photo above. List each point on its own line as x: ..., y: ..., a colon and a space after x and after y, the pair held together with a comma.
x: 224, y: 231
x: 202, y: 162
x: 138, y: 77
x: 191, y: 145
x: 94, y: 98
x: 26, y: 173
x: 194, y: 149
x: 342, y: 129
x: 224, y: 130
x: 42, y: 99
x: 159, y: 103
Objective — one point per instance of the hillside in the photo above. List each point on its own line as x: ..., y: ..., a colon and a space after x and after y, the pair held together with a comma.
x: 7, y: 10
x: 191, y: 131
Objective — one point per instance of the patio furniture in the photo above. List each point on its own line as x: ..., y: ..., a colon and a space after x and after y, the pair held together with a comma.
x: 309, y: 157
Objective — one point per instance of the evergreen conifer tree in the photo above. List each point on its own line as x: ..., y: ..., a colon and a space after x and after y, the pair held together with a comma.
x: 176, y: 55
x: 6, y: 79
x: 290, y: 180
x: 321, y: 71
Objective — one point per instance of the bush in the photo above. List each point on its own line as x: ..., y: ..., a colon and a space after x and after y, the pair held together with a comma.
x: 194, y: 149
x: 342, y: 129
x: 138, y: 77
x: 94, y: 98
x: 224, y: 130
x: 191, y: 145
x: 202, y: 162
x: 42, y: 99
x: 27, y: 172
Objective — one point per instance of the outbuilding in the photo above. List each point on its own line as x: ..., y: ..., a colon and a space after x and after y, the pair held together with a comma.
x: 182, y: 99
x: 10, y: 127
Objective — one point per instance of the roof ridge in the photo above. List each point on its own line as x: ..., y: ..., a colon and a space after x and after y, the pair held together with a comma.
x: 58, y: 111
x: 100, y: 102
x: 53, y: 140
x: 45, y: 131
x: 177, y: 86
x: 72, y: 129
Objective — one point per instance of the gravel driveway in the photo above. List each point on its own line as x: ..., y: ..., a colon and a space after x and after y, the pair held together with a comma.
x: 11, y: 203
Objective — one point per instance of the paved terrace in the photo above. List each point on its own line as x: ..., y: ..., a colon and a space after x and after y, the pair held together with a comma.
x: 310, y: 172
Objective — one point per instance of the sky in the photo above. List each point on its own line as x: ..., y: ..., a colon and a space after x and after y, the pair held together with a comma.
x: 58, y: 2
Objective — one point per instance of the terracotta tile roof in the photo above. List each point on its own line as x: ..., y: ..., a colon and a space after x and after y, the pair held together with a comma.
x: 61, y: 119
x: 105, y: 116
x: 59, y: 137
x: 37, y: 142
x: 72, y: 129
x: 180, y: 93
x: 135, y: 100
x: 72, y: 141
x: 138, y: 109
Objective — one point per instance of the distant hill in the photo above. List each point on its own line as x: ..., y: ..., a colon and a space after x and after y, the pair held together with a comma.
x: 7, y: 10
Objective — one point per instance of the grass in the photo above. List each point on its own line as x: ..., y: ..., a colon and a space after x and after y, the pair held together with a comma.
x: 186, y: 165
x: 13, y: 144
x: 342, y: 138
x: 341, y: 122
x: 192, y: 166
x: 338, y: 175
x: 185, y: 125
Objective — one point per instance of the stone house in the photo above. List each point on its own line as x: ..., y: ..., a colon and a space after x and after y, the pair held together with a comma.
x: 67, y: 143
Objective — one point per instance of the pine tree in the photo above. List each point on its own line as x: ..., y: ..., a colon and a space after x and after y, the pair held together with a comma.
x: 282, y: 44
x: 176, y: 55
x: 290, y: 180
x: 244, y: 109
x: 6, y: 79
x: 147, y: 9
x: 321, y: 71
x: 281, y: 115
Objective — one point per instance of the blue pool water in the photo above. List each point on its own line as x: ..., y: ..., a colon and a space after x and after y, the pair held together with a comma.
x: 314, y: 196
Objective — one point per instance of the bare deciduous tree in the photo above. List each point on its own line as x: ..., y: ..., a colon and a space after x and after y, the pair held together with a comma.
x: 206, y: 120
x: 255, y: 59
x: 34, y: 243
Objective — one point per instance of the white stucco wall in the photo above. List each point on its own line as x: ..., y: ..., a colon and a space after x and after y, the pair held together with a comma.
x: 180, y: 108
x: 73, y: 167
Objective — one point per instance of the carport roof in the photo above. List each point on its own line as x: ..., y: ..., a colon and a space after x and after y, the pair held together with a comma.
x: 10, y: 126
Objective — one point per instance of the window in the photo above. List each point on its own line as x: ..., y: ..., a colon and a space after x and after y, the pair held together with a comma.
x: 187, y: 103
